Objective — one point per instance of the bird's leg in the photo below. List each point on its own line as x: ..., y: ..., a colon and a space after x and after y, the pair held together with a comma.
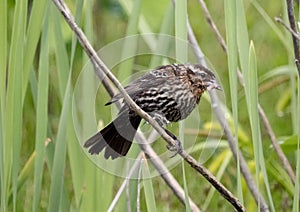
x: 160, y: 118
x: 163, y: 121
x: 177, y: 147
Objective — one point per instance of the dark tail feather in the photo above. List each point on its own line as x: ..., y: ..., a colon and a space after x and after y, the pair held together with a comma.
x: 116, y: 137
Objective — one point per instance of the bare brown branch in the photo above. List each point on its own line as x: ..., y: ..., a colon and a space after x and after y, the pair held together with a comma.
x: 232, y: 142
x: 279, y: 151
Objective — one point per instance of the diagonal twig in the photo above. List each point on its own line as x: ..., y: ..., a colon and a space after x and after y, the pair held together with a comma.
x: 105, y: 71
x: 225, y: 126
x: 295, y: 34
x: 213, y: 25
x: 220, y: 115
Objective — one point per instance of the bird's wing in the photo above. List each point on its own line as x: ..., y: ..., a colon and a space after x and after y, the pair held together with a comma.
x: 147, y: 81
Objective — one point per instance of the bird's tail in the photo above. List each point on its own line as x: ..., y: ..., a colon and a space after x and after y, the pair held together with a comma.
x: 116, y: 137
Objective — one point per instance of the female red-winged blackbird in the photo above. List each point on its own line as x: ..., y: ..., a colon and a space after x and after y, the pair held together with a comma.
x: 168, y: 93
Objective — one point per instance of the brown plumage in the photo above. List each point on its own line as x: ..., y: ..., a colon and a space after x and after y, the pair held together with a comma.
x: 168, y: 93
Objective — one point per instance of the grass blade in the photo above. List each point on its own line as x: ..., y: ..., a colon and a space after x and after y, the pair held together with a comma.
x: 3, y: 59
x: 130, y: 45
x: 163, y: 41
x: 296, y: 201
x: 148, y: 188
x: 181, y: 31
x: 62, y: 59
x: 77, y: 164
x: 3, y: 54
x: 232, y: 40
x: 14, y: 96
x: 2, y: 168
x: 42, y: 114
x: 182, y: 57
x: 252, y: 102
x: 57, y: 173
x: 64, y: 82
x: 33, y: 34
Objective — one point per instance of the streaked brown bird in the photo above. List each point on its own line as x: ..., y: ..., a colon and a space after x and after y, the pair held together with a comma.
x: 168, y: 93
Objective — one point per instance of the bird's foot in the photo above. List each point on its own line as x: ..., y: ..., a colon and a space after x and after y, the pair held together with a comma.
x: 177, y: 147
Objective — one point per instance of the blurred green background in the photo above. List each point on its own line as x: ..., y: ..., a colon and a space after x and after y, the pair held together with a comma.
x: 41, y: 60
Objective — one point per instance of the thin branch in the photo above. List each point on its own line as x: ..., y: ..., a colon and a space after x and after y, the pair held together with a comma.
x: 217, y: 33
x: 290, y: 11
x: 100, y: 65
x: 213, y: 25
x: 295, y: 34
x: 279, y: 151
x: 231, y: 140
x: 285, y: 163
x: 236, y: 153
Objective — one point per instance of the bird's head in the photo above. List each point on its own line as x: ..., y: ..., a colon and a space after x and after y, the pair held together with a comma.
x: 205, y: 76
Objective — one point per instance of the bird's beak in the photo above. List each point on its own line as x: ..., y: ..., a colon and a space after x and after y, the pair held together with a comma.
x: 214, y: 85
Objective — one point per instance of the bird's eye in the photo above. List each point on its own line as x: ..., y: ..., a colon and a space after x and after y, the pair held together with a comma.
x: 202, y: 75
